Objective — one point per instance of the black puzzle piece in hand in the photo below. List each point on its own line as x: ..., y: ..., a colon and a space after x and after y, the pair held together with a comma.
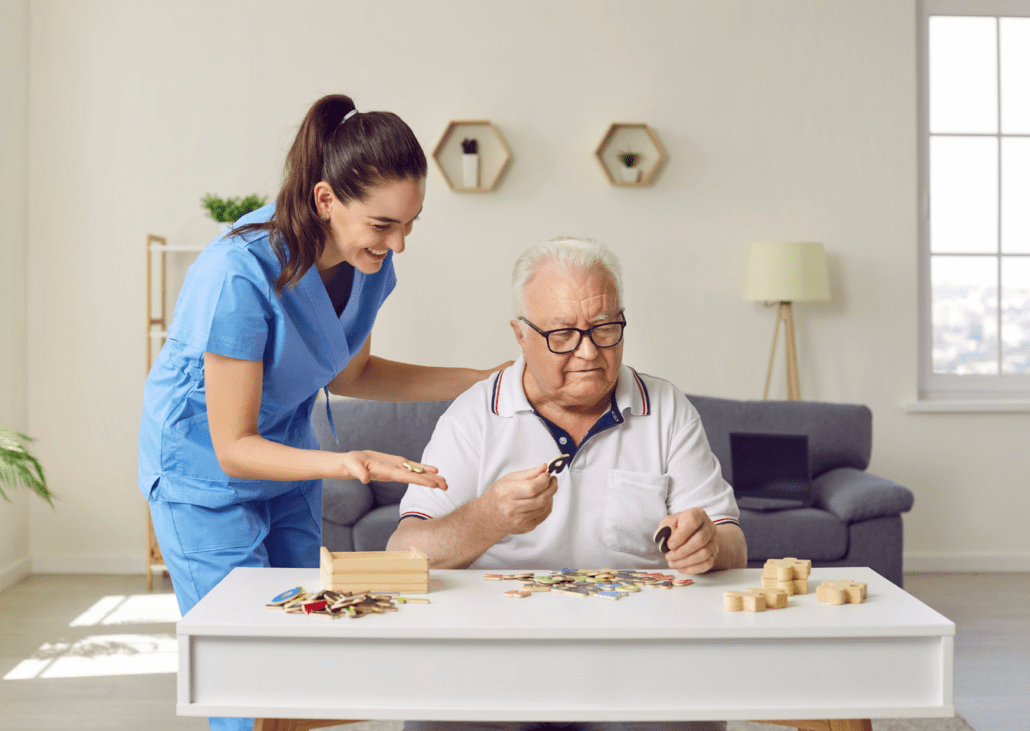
x: 557, y: 464
x: 661, y: 537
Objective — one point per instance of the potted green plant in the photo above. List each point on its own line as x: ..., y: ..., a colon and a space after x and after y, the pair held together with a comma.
x: 630, y: 171
x: 470, y: 163
x: 19, y: 467
x: 229, y: 210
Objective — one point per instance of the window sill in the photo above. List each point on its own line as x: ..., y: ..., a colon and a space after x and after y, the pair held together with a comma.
x: 968, y: 406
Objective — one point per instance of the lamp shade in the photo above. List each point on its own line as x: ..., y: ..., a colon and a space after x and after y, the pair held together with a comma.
x: 786, y: 271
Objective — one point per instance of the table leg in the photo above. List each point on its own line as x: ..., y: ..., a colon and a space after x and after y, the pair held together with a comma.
x: 294, y: 724
x: 854, y: 724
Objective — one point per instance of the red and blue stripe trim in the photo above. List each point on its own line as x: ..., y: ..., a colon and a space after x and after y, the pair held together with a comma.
x: 415, y: 514
x: 497, y: 392
x: 645, y: 397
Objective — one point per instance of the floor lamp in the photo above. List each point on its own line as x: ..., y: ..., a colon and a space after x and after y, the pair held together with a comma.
x: 786, y: 272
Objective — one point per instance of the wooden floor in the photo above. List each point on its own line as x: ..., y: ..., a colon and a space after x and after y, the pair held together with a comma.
x: 98, y: 652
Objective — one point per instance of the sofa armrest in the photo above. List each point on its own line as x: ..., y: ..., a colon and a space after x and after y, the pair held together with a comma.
x: 853, y: 495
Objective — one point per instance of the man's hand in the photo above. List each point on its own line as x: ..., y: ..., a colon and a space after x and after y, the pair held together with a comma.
x: 520, y: 501
x: 693, y: 545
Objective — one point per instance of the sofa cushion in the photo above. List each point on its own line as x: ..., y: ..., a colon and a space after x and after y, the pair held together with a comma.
x: 345, y: 501
x: 805, y: 533
x: 853, y: 495
x: 839, y: 435
x: 373, y: 531
x: 399, y: 429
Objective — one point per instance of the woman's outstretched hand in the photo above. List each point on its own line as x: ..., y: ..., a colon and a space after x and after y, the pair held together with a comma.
x: 366, y: 465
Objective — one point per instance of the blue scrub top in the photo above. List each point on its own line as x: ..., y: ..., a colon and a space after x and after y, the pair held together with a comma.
x: 228, y: 306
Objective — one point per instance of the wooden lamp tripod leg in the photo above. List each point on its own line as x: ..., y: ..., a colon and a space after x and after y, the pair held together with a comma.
x: 786, y: 316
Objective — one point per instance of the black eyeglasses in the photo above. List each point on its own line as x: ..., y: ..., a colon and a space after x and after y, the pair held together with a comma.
x: 567, y: 339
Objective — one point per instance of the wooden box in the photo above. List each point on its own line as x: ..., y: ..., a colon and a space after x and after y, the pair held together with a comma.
x: 403, y: 571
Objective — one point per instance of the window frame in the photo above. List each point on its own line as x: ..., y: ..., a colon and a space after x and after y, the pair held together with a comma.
x: 946, y: 386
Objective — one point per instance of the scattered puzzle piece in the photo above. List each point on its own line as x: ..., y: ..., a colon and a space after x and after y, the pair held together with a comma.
x: 517, y: 593
x: 844, y: 591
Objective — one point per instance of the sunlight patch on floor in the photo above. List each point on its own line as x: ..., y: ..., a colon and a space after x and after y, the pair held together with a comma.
x: 101, y: 655
x: 133, y: 609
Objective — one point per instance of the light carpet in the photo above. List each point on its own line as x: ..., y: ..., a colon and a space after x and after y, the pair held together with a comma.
x: 888, y: 724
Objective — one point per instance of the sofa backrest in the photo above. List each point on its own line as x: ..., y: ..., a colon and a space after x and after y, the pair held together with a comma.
x: 400, y: 429
x: 839, y: 435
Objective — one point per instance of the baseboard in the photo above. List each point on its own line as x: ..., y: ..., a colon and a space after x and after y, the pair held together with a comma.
x: 15, y: 572
x: 89, y: 565
x: 969, y: 562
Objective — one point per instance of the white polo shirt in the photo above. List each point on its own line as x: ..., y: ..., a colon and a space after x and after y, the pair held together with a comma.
x: 646, y: 458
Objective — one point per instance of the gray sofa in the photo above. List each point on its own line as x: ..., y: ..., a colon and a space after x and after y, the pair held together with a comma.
x: 854, y: 521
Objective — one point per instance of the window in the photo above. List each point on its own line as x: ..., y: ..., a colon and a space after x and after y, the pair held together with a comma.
x: 975, y: 189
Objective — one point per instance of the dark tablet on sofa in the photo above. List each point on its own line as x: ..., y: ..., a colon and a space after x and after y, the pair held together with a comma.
x: 770, y: 471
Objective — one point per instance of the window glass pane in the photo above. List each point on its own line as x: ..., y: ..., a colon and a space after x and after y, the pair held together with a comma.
x: 965, y: 314
x: 963, y: 74
x: 964, y: 195
x: 1015, y: 314
x: 1015, y: 75
x: 1015, y: 195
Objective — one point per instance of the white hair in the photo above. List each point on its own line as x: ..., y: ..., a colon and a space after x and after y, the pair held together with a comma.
x: 571, y: 255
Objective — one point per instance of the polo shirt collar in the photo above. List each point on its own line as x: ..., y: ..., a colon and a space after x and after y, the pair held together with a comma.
x: 508, y: 398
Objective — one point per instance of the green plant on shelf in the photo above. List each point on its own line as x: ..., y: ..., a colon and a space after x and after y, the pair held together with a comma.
x: 19, y: 467
x: 629, y: 159
x: 230, y: 210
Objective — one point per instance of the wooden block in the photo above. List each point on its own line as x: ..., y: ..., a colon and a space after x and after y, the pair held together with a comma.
x: 844, y: 591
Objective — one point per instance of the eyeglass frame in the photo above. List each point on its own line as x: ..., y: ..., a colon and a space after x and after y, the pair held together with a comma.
x: 589, y: 332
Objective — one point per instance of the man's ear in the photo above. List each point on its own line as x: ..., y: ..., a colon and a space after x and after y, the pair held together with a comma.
x: 520, y: 334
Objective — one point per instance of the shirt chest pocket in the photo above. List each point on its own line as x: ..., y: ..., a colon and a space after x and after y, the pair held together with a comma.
x: 634, y: 504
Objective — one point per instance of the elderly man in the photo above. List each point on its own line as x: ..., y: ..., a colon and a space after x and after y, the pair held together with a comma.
x: 639, y: 456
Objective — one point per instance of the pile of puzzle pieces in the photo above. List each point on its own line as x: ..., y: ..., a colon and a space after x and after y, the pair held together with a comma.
x: 336, y: 604
x: 602, y: 583
x: 786, y: 577
x: 781, y: 578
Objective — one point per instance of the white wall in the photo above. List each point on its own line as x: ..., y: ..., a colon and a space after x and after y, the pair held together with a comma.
x: 14, y: 117
x: 793, y: 119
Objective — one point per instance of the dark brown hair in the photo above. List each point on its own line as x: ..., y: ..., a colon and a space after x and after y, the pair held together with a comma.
x: 369, y: 149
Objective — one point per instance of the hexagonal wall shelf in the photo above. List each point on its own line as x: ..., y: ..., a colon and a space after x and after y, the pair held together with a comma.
x: 630, y: 137
x: 472, y: 176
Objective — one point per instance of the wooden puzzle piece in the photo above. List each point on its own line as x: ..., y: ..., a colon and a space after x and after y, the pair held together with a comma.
x: 750, y: 600
x: 754, y: 600
x: 557, y: 464
x: 789, y: 574
x: 844, y: 591
x: 661, y: 538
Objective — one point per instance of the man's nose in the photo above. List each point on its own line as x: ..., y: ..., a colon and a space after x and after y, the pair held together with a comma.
x: 586, y: 348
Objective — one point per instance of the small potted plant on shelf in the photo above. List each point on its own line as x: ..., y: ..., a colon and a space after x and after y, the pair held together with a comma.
x: 19, y: 467
x: 470, y: 163
x: 630, y: 171
x: 229, y: 210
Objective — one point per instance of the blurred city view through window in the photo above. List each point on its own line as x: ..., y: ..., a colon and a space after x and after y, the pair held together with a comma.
x: 979, y: 160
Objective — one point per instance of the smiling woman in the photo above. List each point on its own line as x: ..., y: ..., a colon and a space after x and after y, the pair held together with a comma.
x: 271, y: 312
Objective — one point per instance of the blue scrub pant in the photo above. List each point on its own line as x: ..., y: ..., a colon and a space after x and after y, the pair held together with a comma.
x: 202, y: 545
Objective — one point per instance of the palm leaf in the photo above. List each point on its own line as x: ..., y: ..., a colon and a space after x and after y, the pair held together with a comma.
x: 18, y: 467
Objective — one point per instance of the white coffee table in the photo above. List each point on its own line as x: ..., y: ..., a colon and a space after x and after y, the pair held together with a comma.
x: 658, y: 655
